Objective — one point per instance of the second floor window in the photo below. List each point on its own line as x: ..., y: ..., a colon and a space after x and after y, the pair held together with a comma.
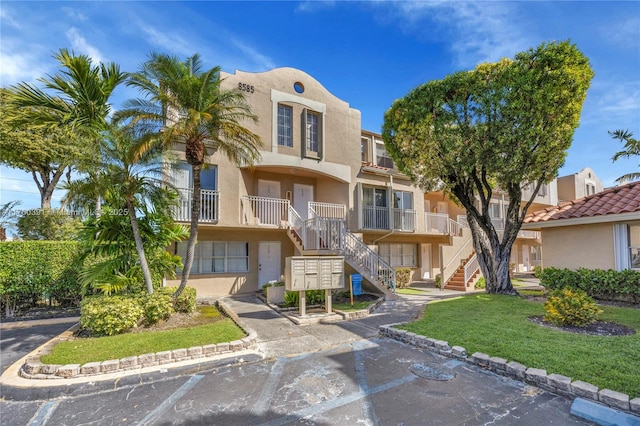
x: 364, y: 150
x: 313, y: 132
x: 285, y: 125
x: 382, y: 156
x: 403, y: 200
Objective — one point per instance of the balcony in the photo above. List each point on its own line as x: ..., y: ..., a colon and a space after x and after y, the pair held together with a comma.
x: 264, y: 211
x: 377, y: 218
x: 209, y: 209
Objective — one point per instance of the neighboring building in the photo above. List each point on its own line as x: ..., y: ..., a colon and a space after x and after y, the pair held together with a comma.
x: 578, y: 185
x: 600, y: 231
x: 316, y: 191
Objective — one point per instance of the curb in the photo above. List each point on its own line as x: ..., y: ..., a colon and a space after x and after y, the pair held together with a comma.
x: 28, y: 379
x: 555, y: 383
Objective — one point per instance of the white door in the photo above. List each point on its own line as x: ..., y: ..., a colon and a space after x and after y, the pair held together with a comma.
x: 302, y: 195
x: 526, y: 266
x: 426, y: 261
x: 269, y: 262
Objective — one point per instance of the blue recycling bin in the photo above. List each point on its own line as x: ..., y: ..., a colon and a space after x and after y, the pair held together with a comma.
x: 356, y: 284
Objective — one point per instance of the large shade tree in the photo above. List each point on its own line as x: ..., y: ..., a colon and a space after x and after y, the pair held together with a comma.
x: 499, y: 126
x: 182, y: 103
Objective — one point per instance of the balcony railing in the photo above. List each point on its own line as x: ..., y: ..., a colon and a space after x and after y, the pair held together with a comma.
x: 265, y: 211
x: 404, y: 219
x: 209, y: 205
x: 375, y: 217
x: 327, y: 210
x: 437, y: 223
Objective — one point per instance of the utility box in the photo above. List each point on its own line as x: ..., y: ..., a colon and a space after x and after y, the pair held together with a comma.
x: 314, y: 273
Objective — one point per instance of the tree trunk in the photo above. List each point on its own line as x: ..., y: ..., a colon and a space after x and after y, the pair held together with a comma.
x: 193, y: 232
x: 140, y: 247
x: 493, y: 255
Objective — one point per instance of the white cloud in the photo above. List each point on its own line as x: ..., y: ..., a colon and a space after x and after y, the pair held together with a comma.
x: 618, y: 101
x: 74, y: 14
x: 19, y: 67
x: 167, y: 41
x: 263, y: 62
x: 475, y: 31
x: 7, y: 19
x: 312, y: 6
x: 80, y: 45
x: 624, y: 33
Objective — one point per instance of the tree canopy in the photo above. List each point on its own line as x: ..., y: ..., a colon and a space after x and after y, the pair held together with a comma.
x: 499, y: 126
x: 631, y: 148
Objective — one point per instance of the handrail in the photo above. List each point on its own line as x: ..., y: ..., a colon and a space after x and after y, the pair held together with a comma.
x: 455, y: 228
x: 209, y: 205
x: 265, y: 210
x: 455, y: 257
x: 296, y: 224
x: 357, y: 250
x: 324, y: 234
x: 470, y: 268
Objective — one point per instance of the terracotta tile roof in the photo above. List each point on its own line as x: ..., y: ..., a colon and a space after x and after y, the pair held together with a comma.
x: 616, y: 200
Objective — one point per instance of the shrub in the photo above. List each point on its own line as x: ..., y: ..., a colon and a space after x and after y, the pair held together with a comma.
x: 156, y: 307
x: 314, y: 297
x: 109, y: 315
x: 596, y: 282
x: 39, y: 224
x: 439, y: 280
x: 537, y: 270
x: 570, y: 307
x: 33, y: 270
x: 403, y: 277
x: 186, y: 302
x: 481, y: 283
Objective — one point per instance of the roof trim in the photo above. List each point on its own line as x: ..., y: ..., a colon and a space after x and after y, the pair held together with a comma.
x: 557, y: 223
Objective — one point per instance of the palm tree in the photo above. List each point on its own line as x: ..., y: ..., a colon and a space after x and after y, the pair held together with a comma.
x: 182, y: 103
x: 77, y: 98
x: 631, y: 147
x: 133, y: 179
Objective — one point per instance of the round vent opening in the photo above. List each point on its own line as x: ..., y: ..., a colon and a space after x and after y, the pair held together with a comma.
x: 298, y: 87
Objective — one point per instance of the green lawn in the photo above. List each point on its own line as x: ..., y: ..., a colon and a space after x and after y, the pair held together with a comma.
x: 94, y: 349
x: 348, y: 308
x: 498, y: 326
x: 410, y: 291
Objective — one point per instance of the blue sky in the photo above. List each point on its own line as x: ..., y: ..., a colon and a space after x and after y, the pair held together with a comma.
x: 366, y: 53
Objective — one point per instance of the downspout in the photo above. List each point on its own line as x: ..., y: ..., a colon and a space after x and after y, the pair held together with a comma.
x: 392, y: 225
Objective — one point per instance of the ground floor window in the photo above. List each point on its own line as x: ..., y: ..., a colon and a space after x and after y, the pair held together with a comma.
x: 536, y: 253
x: 399, y: 254
x: 217, y: 257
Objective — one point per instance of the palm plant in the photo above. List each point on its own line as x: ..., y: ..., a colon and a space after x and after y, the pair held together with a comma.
x: 76, y: 100
x: 182, y: 103
x: 631, y: 147
x: 133, y: 179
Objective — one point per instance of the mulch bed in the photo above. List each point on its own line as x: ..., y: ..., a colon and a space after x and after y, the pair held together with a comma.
x: 597, y: 328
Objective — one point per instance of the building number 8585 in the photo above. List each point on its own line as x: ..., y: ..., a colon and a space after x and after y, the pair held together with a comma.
x: 245, y: 87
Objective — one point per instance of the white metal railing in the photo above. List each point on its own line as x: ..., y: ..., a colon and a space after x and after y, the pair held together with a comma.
x: 265, y: 211
x: 462, y: 220
x: 375, y: 217
x: 447, y: 275
x: 404, y: 219
x: 327, y: 210
x: 470, y: 268
x: 437, y: 223
x: 455, y: 228
x: 209, y: 205
x: 323, y: 234
x: 358, y: 252
x: 296, y: 223
x: 529, y: 234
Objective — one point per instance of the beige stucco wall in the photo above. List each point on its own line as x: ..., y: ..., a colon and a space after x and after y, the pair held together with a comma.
x: 578, y: 246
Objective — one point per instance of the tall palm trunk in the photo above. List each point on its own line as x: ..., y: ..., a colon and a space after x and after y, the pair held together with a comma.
x: 139, y: 246
x: 193, y: 232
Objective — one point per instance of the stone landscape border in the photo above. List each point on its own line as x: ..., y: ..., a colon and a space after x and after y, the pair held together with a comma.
x: 555, y: 383
x: 346, y: 315
x: 34, y: 369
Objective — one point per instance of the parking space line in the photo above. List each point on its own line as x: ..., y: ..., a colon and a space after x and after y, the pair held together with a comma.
x: 169, y: 402
x: 269, y: 389
x: 338, y: 402
x: 361, y: 377
x: 44, y: 413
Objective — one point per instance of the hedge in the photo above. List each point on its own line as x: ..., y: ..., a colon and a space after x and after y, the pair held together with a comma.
x: 598, y: 283
x: 32, y: 270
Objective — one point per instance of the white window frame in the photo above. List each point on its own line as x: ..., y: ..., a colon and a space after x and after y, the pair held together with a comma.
x: 285, y: 125
x: 399, y: 254
x: 313, y: 141
x: 223, y: 260
x: 382, y: 155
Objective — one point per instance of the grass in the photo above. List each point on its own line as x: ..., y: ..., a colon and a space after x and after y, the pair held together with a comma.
x: 211, y: 328
x: 348, y: 308
x: 498, y: 325
x: 531, y: 292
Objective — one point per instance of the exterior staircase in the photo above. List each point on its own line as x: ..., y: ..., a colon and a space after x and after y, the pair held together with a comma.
x: 465, y: 276
x: 329, y: 236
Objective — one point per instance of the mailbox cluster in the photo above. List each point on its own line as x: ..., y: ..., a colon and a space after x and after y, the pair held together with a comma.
x: 314, y: 273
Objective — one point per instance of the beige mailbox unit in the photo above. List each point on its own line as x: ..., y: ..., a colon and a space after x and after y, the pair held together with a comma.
x: 314, y: 273
x: 304, y: 273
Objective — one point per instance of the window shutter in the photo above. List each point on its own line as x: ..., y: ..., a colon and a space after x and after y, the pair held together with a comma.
x: 303, y: 127
x: 621, y: 246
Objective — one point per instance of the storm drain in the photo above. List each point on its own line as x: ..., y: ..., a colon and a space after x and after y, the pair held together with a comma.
x: 430, y: 372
